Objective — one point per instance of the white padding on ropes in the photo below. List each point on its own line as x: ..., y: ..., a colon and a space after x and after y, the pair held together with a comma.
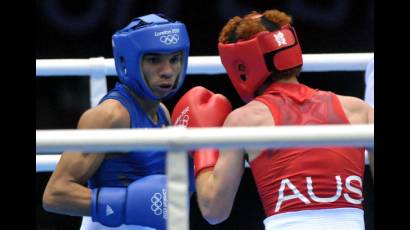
x: 205, y: 64
x: 339, y: 62
x: 47, y: 163
x: 178, y: 196
x: 191, y: 138
x: 98, y: 82
x: 71, y: 67
x: 98, y: 88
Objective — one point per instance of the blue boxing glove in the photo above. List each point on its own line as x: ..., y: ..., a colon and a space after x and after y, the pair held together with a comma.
x: 143, y: 202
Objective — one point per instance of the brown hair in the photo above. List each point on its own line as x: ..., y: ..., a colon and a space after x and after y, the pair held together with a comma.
x: 244, y: 28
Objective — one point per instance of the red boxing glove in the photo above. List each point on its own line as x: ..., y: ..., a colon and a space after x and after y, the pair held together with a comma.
x: 200, y: 107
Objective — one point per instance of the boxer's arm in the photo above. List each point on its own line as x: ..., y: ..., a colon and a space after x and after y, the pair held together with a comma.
x: 169, y: 120
x: 217, y: 188
x: 200, y: 107
x: 66, y: 192
x: 359, y: 112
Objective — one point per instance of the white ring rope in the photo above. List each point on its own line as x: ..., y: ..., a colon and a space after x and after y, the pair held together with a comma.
x: 200, y: 64
x: 47, y: 163
x: 125, y: 140
x: 183, y: 139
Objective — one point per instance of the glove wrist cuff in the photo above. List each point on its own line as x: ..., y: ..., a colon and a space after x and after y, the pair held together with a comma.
x: 94, y: 199
x: 205, y: 158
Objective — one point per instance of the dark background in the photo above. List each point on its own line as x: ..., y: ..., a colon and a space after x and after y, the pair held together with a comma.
x: 83, y: 29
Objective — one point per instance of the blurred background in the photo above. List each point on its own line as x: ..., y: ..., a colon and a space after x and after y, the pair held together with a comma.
x: 83, y: 29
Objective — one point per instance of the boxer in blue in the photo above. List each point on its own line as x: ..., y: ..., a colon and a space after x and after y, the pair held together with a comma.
x: 126, y: 191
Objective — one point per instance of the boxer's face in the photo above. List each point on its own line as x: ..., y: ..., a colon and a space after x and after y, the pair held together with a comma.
x: 161, y: 71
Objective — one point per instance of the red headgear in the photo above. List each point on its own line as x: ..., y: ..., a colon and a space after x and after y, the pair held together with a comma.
x: 250, y: 62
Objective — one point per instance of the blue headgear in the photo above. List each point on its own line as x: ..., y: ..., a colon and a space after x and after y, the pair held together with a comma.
x: 148, y: 34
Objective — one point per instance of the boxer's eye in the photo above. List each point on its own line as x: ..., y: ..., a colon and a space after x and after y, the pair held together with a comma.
x: 153, y: 59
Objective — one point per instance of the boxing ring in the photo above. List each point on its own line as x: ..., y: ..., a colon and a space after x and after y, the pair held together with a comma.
x: 178, y: 140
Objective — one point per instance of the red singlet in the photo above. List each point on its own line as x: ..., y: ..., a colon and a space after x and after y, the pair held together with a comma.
x: 295, y: 179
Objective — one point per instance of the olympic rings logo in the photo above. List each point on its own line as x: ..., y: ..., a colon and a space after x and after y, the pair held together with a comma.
x: 156, y: 206
x: 183, y: 118
x: 169, y: 39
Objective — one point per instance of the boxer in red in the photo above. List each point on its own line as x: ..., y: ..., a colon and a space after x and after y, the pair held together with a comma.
x: 300, y: 188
